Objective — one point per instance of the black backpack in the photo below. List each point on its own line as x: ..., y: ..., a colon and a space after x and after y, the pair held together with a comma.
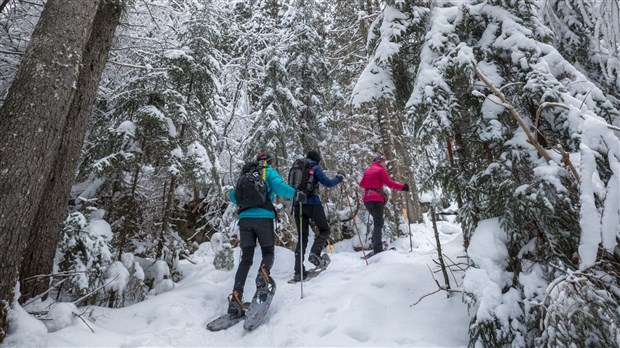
x: 251, y: 189
x: 301, y: 176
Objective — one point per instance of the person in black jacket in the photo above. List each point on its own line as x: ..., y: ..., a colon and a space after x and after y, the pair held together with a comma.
x: 313, y: 210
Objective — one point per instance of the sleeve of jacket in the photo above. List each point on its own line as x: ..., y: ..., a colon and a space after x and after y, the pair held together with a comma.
x: 323, y: 179
x: 231, y: 195
x: 385, y: 178
x: 277, y: 185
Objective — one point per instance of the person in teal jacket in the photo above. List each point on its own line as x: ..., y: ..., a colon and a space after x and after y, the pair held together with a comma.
x: 257, y: 223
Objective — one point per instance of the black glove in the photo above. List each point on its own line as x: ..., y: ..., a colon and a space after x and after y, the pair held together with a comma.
x: 406, y: 187
x: 340, y: 175
x: 300, y: 197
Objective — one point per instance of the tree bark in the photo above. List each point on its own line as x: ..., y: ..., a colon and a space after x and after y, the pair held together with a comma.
x: 43, y: 238
x: 3, y: 5
x: 32, y: 120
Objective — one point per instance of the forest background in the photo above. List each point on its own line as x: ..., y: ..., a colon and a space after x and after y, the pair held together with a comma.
x: 490, y: 109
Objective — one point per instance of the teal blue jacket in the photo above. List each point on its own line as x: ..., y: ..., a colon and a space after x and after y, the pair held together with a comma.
x: 275, y: 186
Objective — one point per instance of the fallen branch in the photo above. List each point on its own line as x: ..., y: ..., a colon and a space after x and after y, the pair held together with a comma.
x: 94, y: 291
x: 32, y: 300
x: 59, y: 274
x: 84, y: 321
x: 439, y: 288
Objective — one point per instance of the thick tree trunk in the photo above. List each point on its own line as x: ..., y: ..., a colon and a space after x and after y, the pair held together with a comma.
x: 3, y: 4
x: 416, y: 208
x: 39, y: 256
x: 32, y: 120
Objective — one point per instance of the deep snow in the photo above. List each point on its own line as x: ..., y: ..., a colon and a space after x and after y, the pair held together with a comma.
x: 350, y: 304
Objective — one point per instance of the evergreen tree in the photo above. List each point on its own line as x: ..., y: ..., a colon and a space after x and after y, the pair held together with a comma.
x: 304, y: 35
x: 154, y: 152
x: 505, y: 166
x: 276, y: 104
x: 83, y: 254
x: 384, y: 86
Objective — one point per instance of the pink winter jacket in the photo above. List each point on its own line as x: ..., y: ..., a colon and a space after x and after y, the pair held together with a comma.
x: 374, y: 178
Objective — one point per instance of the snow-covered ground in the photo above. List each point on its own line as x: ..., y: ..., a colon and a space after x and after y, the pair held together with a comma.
x: 350, y: 304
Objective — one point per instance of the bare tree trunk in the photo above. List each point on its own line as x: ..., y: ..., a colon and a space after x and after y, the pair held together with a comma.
x: 169, y: 199
x: 459, y: 197
x: 39, y: 255
x: 3, y: 5
x: 128, y: 220
x: 416, y: 207
x: 384, y: 127
x: 442, y: 264
x: 32, y: 121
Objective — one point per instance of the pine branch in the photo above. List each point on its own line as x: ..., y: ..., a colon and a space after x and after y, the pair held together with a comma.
x: 519, y: 120
x: 440, y: 288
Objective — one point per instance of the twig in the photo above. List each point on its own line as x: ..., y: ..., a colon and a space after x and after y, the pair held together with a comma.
x: 94, y: 291
x: 613, y: 127
x: 84, y: 321
x: 151, y: 14
x: 421, y: 298
x: 511, y: 84
x: 9, y: 52
x: 567, y: 162
x: 59, y: 274
x: 447, y: 289
x: 432, y: 293
x: 138, y: 66
x: 32, y: 300
x: 546, y: 105
x: 187, y: 257
x: 584, y: 99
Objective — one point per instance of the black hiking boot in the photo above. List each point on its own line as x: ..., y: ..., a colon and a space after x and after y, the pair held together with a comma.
x: 262, y: 280
x: 297, y: 276
x: 316, y: 260
x: 235, y: 305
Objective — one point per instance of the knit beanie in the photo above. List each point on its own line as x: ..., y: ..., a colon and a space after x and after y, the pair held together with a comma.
x: 263, y: 156
x: 314, y: 155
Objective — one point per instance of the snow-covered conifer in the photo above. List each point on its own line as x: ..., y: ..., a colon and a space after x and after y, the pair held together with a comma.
x: 532, y: 147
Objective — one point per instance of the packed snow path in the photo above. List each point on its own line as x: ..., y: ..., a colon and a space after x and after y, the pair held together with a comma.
x: 350, y: 304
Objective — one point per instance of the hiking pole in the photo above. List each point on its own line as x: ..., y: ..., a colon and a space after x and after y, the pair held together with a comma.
x: 409, y: 222
x: 356, y: 228
x: 301, y: 250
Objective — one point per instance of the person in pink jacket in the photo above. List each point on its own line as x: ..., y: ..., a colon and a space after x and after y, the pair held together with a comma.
x: 375, y: 177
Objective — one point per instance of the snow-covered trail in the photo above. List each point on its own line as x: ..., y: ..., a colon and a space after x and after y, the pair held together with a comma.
x: 350, y: 304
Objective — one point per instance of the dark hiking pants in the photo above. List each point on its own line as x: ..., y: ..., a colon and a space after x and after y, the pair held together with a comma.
x: 315, y: 213
x: 376, y: 211
x: 251, y: 229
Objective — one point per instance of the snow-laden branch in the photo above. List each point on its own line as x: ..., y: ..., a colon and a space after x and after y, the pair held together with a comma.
x: 541, y: 150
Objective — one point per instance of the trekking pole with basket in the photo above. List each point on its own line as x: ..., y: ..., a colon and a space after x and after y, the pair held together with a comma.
x: 408, y: 221
x: 301, y: 249
x: 357, y: 231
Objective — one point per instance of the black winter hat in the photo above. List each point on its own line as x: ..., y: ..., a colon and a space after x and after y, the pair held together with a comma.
x: 314, y: 155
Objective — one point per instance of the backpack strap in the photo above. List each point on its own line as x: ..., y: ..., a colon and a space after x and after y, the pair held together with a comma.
x: 263, y: 165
